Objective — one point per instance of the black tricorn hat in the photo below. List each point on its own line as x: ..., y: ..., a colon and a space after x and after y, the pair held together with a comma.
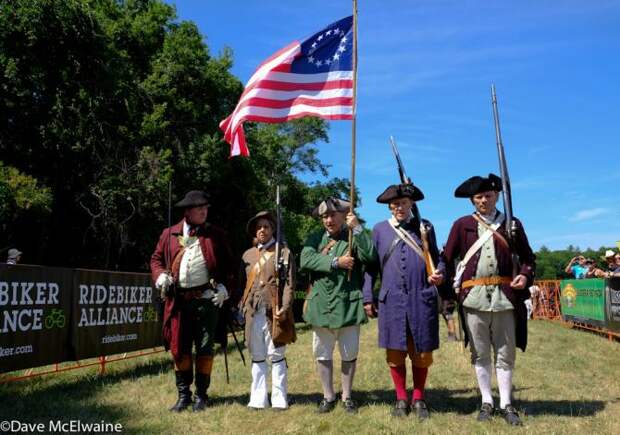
x: 331, y: 204
x: 396, y: 191
x: 193, y: 198
x: 477, y: 184
x: 251, y: 226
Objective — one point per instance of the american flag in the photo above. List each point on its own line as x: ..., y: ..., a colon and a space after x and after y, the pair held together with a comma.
x: 309, y: 78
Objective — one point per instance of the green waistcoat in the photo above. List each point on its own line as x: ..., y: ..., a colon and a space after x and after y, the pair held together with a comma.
x: 334, y: 301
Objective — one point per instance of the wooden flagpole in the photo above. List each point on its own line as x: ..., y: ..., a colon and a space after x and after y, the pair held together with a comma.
x: 352, y: 193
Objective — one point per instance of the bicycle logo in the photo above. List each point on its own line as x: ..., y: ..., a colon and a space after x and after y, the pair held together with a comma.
x: 55, y: 319
x: 150, y: 315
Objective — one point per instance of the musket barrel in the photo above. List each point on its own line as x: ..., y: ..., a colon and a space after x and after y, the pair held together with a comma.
x: 502, y: 164
x: 510, y: 224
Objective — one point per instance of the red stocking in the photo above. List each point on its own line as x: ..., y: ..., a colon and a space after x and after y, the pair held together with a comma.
x: 419, y: 381
x: 399, y: 377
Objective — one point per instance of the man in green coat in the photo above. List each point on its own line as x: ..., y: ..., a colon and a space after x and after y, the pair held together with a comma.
x: 334, y: 305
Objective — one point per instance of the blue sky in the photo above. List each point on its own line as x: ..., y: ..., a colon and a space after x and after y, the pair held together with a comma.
x: 425, y: 70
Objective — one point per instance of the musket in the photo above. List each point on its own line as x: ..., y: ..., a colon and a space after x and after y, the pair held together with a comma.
x: 280, y: 264
x: 510, y: 224
x: 404, y: 179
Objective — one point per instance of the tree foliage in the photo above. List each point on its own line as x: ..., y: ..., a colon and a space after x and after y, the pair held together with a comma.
x: 21, y: 194
x: 106, y: 102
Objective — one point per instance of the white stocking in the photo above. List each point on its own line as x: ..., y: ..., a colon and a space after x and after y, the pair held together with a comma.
x: 258, y: 394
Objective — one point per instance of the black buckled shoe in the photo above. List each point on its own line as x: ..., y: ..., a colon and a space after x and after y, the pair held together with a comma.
x: 419, y: 406
x: 511, y: 416
x: 486, y: 412
x: 350, y: 406
x: 401, y: 408
x: 326, y: 406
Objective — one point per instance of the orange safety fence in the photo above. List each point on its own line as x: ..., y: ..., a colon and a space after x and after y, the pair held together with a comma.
x: 101, y: 361
x: 546, y: 300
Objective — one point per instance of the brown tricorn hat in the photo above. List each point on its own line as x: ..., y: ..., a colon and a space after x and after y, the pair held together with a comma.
x: 331, y: 204
x: 396, y: 191
x: 251, y: 226
x: 477, y: 184
x: 193, y: 198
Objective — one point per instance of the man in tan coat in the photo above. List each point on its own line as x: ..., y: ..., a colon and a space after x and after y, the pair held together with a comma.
x: 269, y: 322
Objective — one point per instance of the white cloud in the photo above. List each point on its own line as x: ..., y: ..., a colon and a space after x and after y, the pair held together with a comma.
x: 587, y: 214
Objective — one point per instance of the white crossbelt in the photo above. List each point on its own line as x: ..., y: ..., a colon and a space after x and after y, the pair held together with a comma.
x: 406, y: 237
x: 488, y: 233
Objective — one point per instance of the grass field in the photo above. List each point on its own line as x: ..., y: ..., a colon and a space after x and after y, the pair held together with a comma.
x: 567, y: 382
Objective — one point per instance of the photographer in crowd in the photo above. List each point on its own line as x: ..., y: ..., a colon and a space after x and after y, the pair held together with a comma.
x: 577, y: 267
x: 613, y: 266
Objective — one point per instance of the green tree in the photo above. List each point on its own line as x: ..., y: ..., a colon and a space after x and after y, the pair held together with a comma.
x: 107, y: 102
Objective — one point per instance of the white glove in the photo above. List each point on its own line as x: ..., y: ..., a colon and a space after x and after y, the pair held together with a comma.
x: 220, y: 295
x: 164, y: 280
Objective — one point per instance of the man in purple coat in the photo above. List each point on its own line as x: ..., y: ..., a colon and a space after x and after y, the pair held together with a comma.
x: 407, y: 304
x: 491, y: 296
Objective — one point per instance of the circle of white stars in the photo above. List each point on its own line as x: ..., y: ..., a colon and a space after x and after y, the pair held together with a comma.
x: 332, y: 33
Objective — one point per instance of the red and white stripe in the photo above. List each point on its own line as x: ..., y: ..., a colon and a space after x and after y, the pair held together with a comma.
x: 274, y: 94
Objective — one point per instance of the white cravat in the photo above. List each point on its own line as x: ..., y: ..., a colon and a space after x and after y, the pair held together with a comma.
x: 267, y: 245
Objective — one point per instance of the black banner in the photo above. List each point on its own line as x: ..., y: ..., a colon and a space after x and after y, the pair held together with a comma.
x: 35, y: 311
x: 114, y: 312
x: 50, y: 315
x: 613, y: 304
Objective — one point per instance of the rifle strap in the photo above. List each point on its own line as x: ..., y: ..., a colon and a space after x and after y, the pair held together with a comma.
x: 406, y: 237
x: 262, y: 260
x: 501, y: 239
x: 460, y: 267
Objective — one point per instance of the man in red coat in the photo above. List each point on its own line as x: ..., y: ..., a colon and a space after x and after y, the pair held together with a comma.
x: 491, y: 297
x: 190, y: 265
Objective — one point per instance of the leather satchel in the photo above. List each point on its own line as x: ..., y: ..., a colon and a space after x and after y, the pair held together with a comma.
x: 283, y: 331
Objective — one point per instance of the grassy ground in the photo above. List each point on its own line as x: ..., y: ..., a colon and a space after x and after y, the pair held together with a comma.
x: 567, y: 382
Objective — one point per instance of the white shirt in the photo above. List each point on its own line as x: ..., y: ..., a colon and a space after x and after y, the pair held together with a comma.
x: 193, y: 269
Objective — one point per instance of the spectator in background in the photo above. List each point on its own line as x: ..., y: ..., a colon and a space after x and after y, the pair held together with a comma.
x: 613, y: 266
x: 577, y: 267
x: 613, y: 261
x: 14, y: 256
x: 529, y: 303
x: 591, y: 265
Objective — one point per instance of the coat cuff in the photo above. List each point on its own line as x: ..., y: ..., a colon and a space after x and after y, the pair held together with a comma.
x: 527, y: 270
